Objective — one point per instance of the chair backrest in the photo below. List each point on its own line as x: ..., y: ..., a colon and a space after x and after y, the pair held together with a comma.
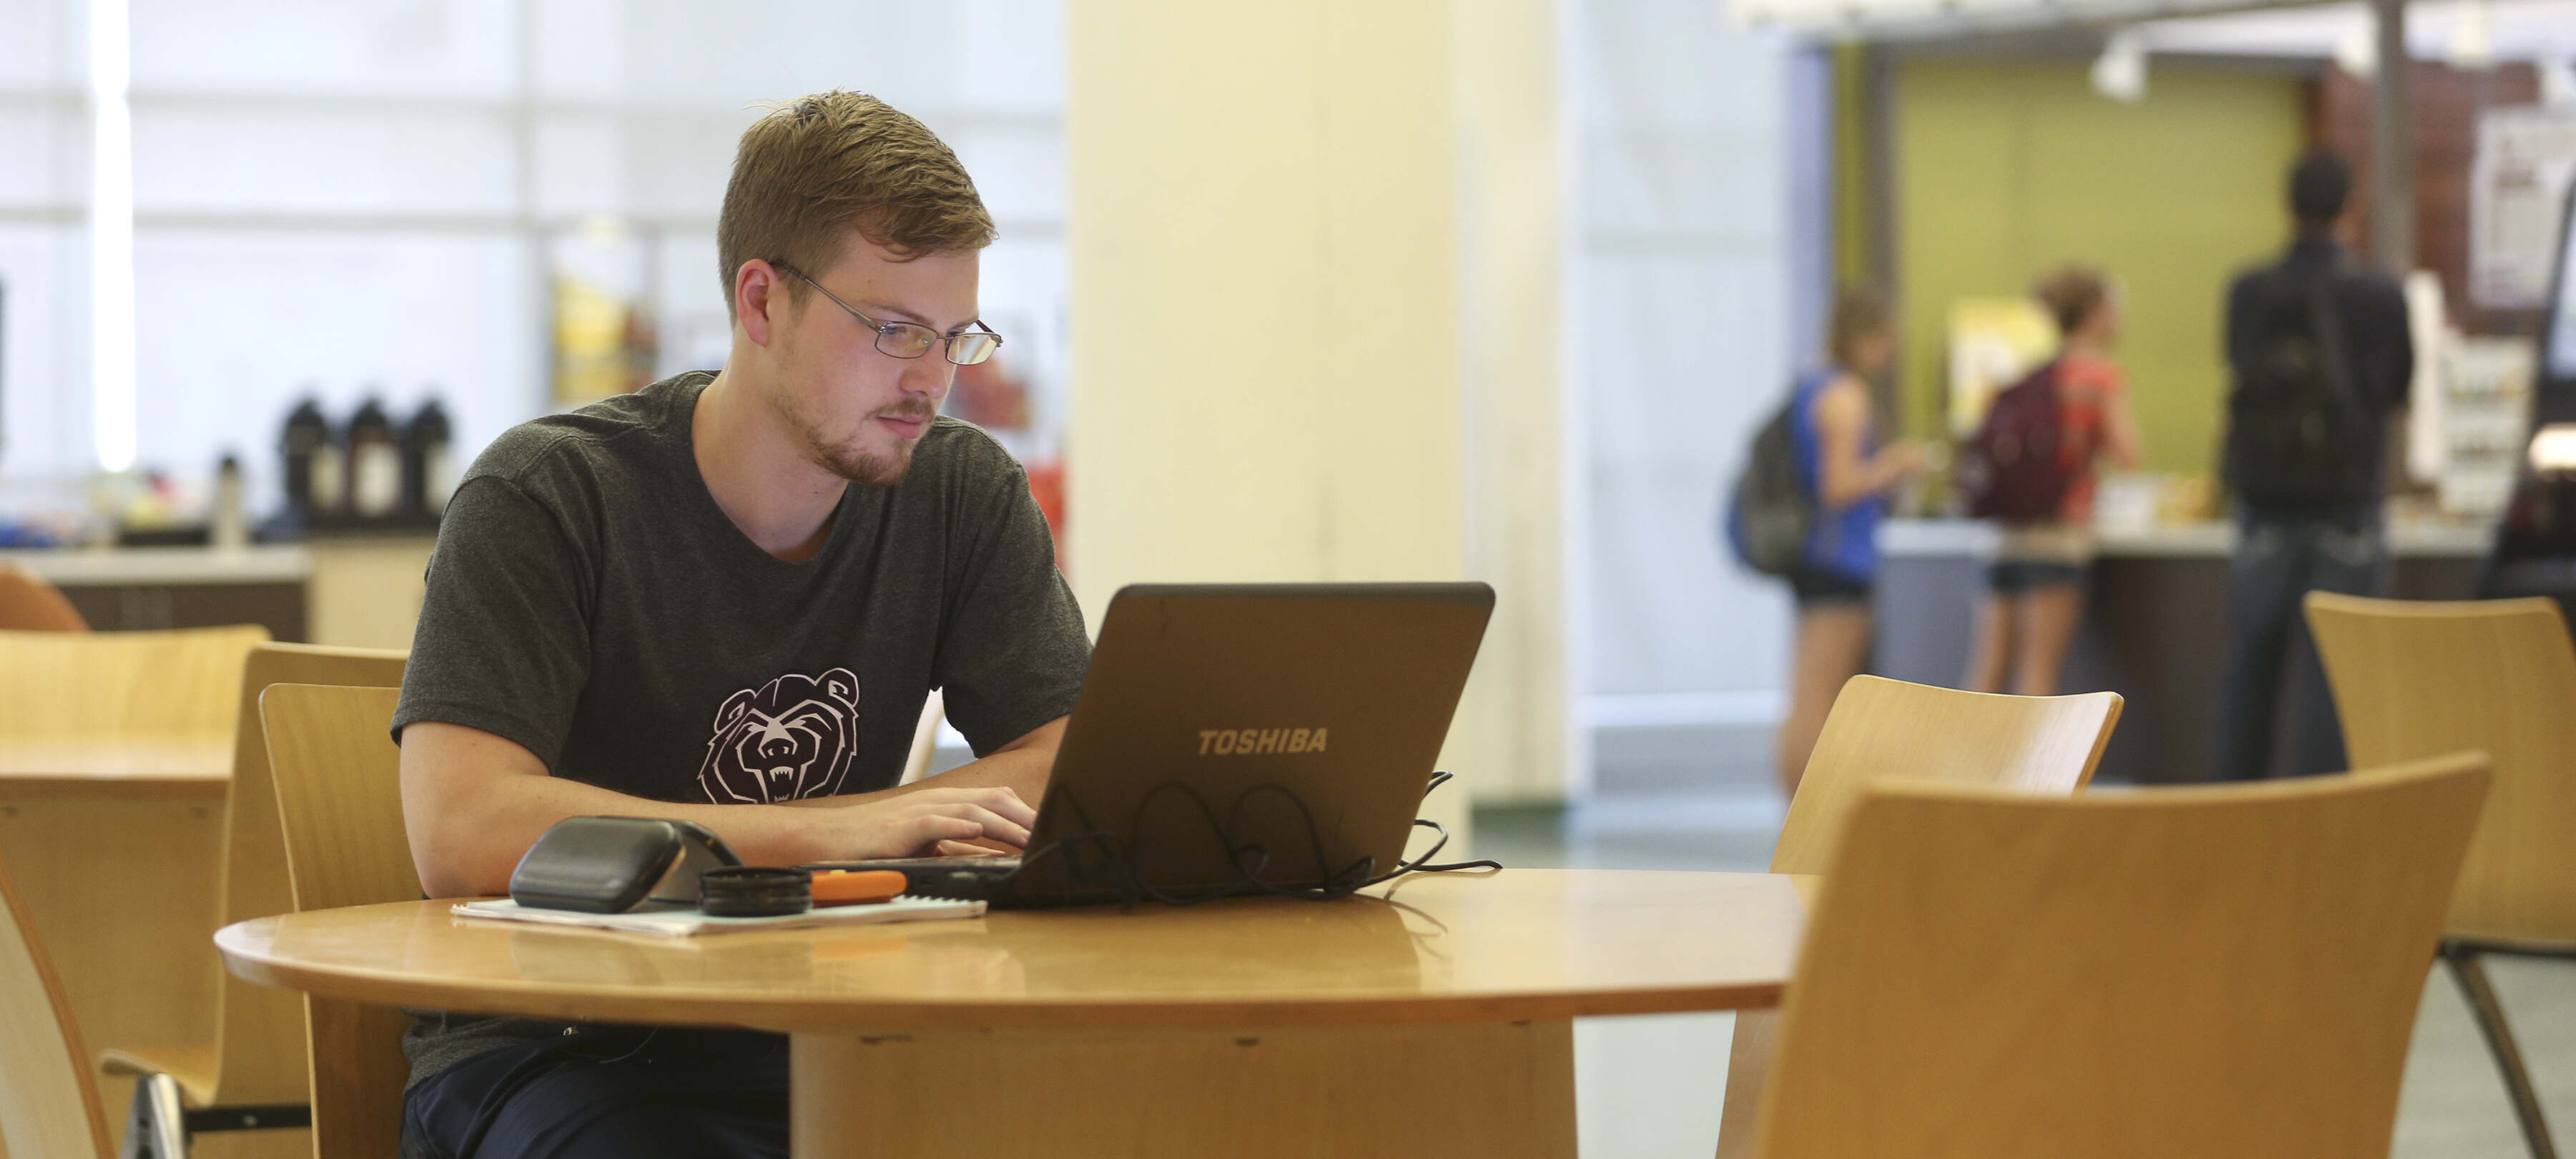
x: 339, y: 799
x: 29, y: 604
x: 2214, y: 971
x: 259, y: 1030
x: 179, y: 685
x: 339, y: 794
x: 1881, y: 729
x: 2499, y: 676
x: 49, y: 1108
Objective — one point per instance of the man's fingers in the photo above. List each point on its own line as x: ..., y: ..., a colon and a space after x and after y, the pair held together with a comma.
x: 968, y: 849
x: 995, y: 825
x: 1000, y: 799
x: 1008, y: 804
x: 929, y: 829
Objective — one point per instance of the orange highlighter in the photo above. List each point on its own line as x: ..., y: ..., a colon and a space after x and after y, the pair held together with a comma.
x: 856, y: 887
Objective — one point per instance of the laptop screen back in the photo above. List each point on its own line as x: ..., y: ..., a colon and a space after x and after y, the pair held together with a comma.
x: 1282, y: 733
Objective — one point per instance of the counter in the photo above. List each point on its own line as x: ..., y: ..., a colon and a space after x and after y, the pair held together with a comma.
x: 102, y: 566
x: 2155, y: 625
x: 358, y: 591
x: 2215, y: 539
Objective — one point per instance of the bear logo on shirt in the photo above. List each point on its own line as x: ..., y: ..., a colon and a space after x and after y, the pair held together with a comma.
x: 790, y: 738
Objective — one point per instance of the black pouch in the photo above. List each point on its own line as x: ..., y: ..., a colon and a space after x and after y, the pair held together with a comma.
x: 607, y: 865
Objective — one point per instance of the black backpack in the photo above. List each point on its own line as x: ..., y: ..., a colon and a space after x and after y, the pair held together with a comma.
x: 1768, y: 515
x: 2297, y: 434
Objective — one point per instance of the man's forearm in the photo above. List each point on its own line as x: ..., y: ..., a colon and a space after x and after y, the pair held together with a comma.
x: 474, y: 802
x: 1022, y: 766
x: 482, y: 844
x: 1023, y: 771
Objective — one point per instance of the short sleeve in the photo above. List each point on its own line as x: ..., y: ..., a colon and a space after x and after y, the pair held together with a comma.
x: 2114, y: 381
x: 503, y: 640
x: 1012, y: 650
x: 2092, y: 379
x: 2237, y: 328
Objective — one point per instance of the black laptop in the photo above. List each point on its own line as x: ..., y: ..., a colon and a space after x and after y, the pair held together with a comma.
x: 1238, y: 739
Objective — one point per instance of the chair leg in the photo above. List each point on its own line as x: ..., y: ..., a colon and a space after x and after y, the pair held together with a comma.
x: 2472, y: 977
x: 157, y: 1128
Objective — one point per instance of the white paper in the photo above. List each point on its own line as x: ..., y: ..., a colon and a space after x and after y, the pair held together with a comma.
x: 2517, y: 188
x: 685, y: 920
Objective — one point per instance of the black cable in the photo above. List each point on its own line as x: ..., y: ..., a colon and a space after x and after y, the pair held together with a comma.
x: 1092, y: 853
x: 1245, y: 858
x: 1422, y: 864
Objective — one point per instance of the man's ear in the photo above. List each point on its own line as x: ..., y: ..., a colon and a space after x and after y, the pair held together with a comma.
x: 759, y: 299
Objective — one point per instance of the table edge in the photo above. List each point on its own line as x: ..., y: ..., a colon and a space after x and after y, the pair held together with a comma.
x: 799, y: 1015
x: 123, y: 787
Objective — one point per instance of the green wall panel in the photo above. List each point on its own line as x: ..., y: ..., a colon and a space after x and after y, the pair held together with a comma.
x: 2005, y: 169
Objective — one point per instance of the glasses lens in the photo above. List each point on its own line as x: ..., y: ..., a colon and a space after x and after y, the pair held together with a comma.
x: 905, y: 340
x: 972, y: 347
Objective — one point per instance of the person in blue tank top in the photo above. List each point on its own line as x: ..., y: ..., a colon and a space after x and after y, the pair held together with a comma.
x: 1851, y: 475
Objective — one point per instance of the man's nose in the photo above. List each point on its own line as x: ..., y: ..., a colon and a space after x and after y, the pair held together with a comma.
x: 930, y: 376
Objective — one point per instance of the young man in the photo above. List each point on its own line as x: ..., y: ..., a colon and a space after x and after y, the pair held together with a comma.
x: 723, y: 599
x: 2321, y: 359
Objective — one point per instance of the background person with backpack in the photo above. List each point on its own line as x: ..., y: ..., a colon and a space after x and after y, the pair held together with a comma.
x: 2321, y: 359
x: 1808, y: 510
x: 2031, y: 466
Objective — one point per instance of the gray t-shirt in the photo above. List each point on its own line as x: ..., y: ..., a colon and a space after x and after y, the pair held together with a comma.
x: 589, y: 601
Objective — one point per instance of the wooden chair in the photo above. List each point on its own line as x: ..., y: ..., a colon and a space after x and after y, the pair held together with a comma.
x: 252, y: 1075
x: 1883, y: 729
x: 49, y: 1109
x: 2412, y: 679
x: 339, y: 799
x: 76, y: 689
x: 2213, y: 971
x: 78, y: 686
x: 29, y: 604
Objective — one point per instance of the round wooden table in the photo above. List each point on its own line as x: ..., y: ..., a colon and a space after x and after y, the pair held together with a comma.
x: 1428, y: 1017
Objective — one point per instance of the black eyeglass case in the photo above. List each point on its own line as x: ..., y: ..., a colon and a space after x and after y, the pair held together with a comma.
x: 607, y: 865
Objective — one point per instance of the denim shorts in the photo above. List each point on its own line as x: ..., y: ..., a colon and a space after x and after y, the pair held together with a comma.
x: 2009, y: 576
x: 1824, y: 589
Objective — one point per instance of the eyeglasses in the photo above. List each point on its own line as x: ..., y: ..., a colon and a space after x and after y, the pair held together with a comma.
x: 906, y: 340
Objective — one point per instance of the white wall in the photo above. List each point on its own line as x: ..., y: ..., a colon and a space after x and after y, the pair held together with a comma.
x: 351, y: 195
x: 44, y: 158
x: 1687, y: 315
x: 355, y: 197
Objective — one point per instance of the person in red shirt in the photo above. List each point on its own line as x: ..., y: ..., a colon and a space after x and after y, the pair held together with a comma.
x: 2035, y: 590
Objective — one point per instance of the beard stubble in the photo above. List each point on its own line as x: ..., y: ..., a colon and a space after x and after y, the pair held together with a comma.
x: 868, y: 469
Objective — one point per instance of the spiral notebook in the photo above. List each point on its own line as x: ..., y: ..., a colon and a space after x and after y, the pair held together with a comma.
x: 680, y: 919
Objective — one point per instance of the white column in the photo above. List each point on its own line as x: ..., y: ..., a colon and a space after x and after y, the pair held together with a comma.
x: 1271, y: 345
x: 1523, y: 432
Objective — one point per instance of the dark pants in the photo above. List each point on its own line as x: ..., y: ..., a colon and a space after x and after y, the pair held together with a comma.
x: 610, y: 1091
x: 2280, y: 558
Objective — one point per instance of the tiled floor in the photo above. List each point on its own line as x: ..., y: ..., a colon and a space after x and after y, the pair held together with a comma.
x: 1648, y: 1088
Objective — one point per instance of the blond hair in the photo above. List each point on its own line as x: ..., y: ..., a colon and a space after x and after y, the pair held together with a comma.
x: 833, y: 161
